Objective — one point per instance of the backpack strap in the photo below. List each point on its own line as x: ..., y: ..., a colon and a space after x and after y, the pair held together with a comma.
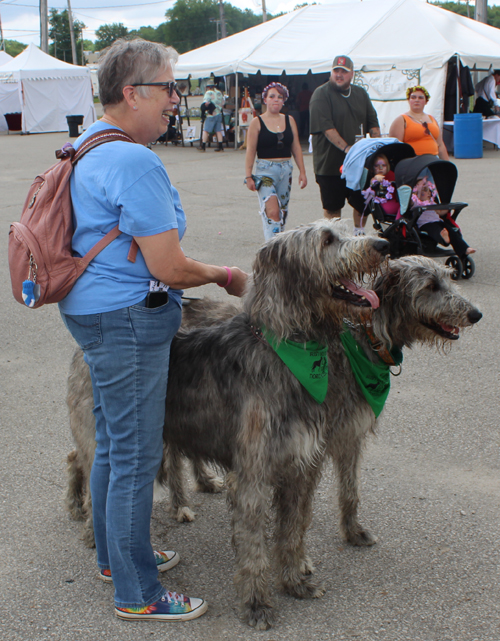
x: 99, y: 138
x: 108, y: 135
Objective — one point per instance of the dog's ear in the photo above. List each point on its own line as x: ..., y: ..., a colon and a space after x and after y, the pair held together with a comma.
x: 272, y: 253
x: 327, y: 238
x: 389, y: 282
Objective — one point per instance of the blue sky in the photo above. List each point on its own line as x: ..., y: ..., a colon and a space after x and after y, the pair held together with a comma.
x: 20, y: 18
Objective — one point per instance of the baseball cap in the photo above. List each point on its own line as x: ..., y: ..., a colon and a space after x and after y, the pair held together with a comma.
x: 343, y: 62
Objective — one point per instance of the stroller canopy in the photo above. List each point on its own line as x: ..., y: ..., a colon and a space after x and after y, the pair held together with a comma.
x: 444, y: 172
x: 355, y: 163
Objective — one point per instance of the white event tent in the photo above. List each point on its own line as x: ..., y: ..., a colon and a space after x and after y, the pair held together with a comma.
x: 393, y: 43
x: 45, y: 90
x: 4, y: 57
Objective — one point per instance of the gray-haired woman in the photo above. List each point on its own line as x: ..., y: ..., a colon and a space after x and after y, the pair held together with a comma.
x: 124, y: 315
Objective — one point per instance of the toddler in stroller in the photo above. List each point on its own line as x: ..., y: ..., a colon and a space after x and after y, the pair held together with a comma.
x: 424, y: 217
x: 438, y: 224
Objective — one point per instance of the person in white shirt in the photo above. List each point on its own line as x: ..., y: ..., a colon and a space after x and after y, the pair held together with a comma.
x: 487, y: 102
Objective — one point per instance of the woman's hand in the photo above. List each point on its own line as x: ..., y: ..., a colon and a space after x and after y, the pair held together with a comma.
x: 250, y: 183
x: 238, y: 282
x: 302, y: 179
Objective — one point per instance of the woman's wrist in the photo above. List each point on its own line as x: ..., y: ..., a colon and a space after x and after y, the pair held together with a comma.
x: 229, y: 277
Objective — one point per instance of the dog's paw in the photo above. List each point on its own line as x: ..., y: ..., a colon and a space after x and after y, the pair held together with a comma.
x: 213, y: 485
x: 183, y: 514
x: 306, y: 566
x: 260, y: 617
x: 360, y: 537
x: 306, y: 588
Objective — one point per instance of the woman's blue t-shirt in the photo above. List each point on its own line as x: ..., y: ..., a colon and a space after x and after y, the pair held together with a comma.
x: 125, y: 184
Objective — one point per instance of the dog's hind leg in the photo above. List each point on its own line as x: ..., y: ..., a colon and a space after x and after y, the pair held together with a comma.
x: 75, y: 492
x: 88, y: 530
x: 171, y: 473
x: 293, y: 500
x: 346, y: 454
x: 206, y: 480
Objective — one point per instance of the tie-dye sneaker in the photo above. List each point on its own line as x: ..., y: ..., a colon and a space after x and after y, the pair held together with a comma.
x: 164, y: 561
x: 171, y: 607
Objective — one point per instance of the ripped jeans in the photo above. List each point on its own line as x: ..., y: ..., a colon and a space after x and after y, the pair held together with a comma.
x: 276, y: 181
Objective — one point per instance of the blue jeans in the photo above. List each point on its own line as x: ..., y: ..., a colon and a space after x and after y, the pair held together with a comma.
x: 128, y: 352
x: 276, y: 181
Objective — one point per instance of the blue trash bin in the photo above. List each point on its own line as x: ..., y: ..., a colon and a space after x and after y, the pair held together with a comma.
x: 468, y: 136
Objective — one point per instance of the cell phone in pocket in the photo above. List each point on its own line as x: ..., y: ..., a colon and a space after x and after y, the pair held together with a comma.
x: 156, y: 299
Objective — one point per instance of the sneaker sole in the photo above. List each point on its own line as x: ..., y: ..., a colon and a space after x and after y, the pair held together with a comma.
x: 161, y: 568
x: 188, y: 616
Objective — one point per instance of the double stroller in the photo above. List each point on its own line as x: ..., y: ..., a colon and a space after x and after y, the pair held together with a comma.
x: 401, y: 228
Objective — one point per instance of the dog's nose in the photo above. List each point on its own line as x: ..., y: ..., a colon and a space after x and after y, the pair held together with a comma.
x: 382, y: 246
x: 474, y: 316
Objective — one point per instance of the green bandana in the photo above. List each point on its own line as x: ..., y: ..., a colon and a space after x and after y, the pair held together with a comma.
x: 373, y: 378
x: 308, y: 362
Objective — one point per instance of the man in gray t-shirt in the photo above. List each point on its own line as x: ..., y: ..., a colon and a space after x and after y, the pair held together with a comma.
x: 338, y: 109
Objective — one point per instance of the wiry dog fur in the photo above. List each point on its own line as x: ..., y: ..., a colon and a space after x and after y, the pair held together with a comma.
x: 233, y: 402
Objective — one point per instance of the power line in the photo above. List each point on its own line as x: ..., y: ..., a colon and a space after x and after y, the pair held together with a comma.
x: 13, y: 3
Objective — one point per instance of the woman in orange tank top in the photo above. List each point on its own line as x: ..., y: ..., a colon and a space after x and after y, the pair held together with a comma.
x: 418, y: 129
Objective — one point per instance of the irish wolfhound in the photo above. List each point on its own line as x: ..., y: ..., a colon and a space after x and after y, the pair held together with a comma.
x: 419, y: 303
x: 232, y: 401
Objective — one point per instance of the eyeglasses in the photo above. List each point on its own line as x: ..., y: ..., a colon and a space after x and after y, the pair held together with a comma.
x: 426, y: 127
x: 280, y: 136
x: 171, y: 86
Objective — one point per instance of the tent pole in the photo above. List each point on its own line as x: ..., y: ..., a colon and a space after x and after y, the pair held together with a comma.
x: 458, y: 86
x: 236, y: 101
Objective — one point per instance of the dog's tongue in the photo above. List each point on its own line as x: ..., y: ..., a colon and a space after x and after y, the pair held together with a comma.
x: 370, y: 295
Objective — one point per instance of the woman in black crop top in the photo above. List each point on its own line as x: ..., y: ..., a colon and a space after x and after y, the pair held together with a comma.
x: 274, y: 139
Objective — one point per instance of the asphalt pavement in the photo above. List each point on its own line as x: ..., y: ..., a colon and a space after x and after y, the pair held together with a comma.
x: 430, y: 483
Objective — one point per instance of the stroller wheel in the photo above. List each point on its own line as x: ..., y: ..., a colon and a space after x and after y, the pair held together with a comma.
x: 469, y: 268
x: 456, y: 264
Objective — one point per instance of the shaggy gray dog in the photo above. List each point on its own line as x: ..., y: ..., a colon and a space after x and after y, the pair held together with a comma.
x: 233, y: 402
x: 242, y: 410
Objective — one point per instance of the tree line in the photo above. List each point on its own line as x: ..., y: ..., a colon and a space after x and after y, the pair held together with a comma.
x: 189, y: 24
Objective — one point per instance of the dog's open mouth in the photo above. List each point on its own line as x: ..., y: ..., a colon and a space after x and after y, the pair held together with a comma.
x: 355, y: 295
x: 450, y: 332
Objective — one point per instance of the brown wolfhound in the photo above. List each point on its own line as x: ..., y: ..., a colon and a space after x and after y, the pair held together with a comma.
x: 232, y: 400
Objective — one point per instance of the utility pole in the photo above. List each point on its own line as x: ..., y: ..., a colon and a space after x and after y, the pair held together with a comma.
x: 223, y: 32
x: 481, y: 11
x: 44, y: 26
x: 72, y: 34
x: 264, y: 12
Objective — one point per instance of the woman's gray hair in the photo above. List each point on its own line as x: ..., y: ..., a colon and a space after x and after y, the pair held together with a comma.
x: 128, y: 62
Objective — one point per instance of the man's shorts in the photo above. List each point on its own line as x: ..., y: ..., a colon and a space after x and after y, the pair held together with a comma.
x: 334, y: 193
x: 213, y: 124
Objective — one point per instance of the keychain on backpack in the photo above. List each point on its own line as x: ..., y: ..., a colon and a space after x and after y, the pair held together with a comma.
x: 31, y: 291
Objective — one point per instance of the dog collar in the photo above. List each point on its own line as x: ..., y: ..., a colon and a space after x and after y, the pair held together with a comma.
x: 392, y: 358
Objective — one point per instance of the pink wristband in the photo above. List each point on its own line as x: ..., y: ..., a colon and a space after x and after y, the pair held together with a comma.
x: 229, y: 277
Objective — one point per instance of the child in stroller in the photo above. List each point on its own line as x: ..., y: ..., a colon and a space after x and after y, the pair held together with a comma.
x: 437, y: 223
x: 423, y: 186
